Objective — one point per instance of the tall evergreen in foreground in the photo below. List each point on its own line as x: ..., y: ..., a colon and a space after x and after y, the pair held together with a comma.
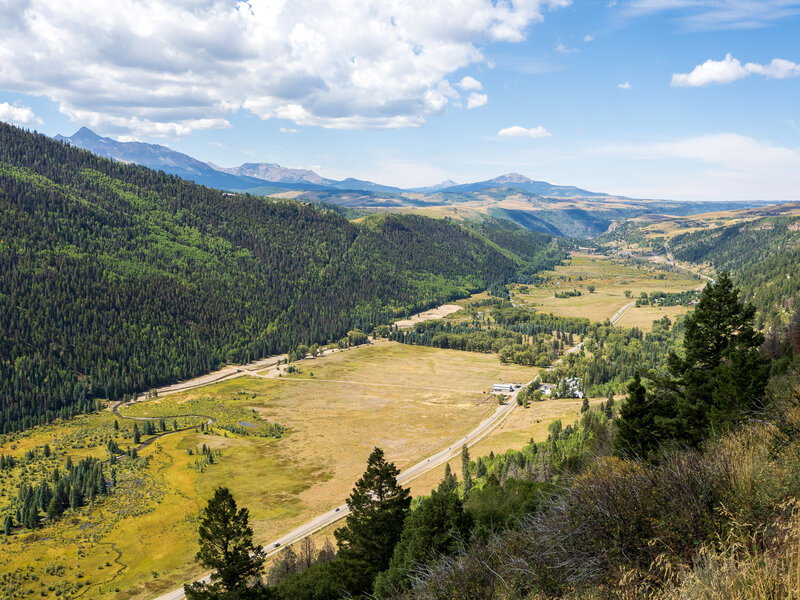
x: 226, y: 546
x: 378, y: 507
x: 718, y: 381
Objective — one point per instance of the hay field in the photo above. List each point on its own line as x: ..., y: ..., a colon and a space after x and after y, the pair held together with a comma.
x: 611, y: 277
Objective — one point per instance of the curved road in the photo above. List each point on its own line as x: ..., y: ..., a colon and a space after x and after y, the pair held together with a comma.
x: 483, y: 429
x: 436, y: 460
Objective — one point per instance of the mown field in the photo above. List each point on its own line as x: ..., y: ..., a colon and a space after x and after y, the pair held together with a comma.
x: 140, y: 540
x: 289, y: 445
x: 611, y: 278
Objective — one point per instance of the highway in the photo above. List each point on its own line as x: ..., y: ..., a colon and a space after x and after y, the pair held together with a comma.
x: 483, y: 429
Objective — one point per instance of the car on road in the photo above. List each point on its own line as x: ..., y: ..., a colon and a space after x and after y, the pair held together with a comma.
x: 276, y: 544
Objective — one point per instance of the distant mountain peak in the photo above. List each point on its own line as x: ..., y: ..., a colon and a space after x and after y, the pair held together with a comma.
x: 275, y: 173
x: 85, y: 131
x: 512, y: 178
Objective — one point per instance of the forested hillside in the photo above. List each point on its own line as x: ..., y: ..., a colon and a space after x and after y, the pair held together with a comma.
x: 761, y: 255
x: 117, y: 278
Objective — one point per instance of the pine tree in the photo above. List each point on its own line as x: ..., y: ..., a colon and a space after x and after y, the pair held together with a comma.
x: 585, y: 405
x: 722, y: 375
x: 137, y: 436
x: 449, y: 481
x: 378, y: 508
x: 636, y: 429
x: 226, y: 546
x: 465, y: 472
x: 436, y: 527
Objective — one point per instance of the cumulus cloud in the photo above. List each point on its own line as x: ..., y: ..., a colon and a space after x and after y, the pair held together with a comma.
x: 167, y: 67
x: 588, y: 38
x: 18, y: 115
x: 476, y: 100
x: 730, y: 69
x: 521, y: 132
x: 624, y: 86
x: 470, y: 84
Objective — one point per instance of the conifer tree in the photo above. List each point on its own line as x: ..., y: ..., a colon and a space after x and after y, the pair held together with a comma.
x: 378, y: 507
x: 436, y: 527
x: 465, y: 473
x: 226, y: 546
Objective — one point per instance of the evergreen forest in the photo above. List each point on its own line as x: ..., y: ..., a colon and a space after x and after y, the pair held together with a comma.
x: 117, y: 278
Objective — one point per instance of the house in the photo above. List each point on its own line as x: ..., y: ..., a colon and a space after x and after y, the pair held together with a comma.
x: 503, y: 388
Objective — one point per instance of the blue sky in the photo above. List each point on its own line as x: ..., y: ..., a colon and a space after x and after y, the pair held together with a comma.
x: 684, y: 99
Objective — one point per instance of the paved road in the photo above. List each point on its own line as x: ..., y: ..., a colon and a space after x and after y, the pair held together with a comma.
x: 454, y: 449
x: 483, y: 429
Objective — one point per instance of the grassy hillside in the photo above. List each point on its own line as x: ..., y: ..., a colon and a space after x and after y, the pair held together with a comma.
x: 118, y: 278
x: 762, y: 255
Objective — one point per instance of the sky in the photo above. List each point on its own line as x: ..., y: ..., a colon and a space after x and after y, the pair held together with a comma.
x: 679, y: 99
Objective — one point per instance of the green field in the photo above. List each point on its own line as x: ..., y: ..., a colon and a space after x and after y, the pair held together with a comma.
x: 141, y: 539
x: 611, y: 278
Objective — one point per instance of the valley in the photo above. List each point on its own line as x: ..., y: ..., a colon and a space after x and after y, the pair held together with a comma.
x: 331, y: 409
x: 191, y: 339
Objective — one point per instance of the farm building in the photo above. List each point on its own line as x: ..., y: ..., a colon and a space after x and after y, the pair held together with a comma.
x: 505, y: 388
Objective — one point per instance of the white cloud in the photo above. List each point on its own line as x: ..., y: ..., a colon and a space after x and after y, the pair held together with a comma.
x: 476, y: 100
x: 720, y: 166
x: 521, y: 132
x: 470, y: 84
x: 167, y: 67
x: 588, y: 38
x: 624, y: 86
x: 18, y: 115
x: 719, y: 14
x: 730, y: 69
x: 289, y: 130
x: 564, y: 49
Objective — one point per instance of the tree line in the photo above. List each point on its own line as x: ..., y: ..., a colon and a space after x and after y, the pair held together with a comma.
x: 118, y: 278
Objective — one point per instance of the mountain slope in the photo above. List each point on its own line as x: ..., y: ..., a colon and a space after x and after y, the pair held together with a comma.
x: 275, y: 173
x: 159, y: 157
x: 762, y: 255
x: 118, y: 278
x: 520, y: 182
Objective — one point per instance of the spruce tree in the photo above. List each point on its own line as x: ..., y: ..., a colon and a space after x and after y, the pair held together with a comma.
x: 435, y: 528
x: 137, y: 436
x: 636, y: 425
x: 378, y: 507
x: 465, y: 472
x: 722, y: 375
x: 226, y: 546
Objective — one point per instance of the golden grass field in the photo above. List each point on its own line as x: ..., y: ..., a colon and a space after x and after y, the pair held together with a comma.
x: 611, y: 277
x: 409, y: 400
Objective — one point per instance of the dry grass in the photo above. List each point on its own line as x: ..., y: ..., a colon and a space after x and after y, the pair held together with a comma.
x: 643, y: 316
x: 610, y: 278
x: 513, y: 433
x: 435, y: 313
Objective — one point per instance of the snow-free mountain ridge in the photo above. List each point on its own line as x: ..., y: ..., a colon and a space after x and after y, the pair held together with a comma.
x: 253, y: 175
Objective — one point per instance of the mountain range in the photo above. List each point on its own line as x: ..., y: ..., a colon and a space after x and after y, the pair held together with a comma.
x: 252, y: 175
x: 535, y: 205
